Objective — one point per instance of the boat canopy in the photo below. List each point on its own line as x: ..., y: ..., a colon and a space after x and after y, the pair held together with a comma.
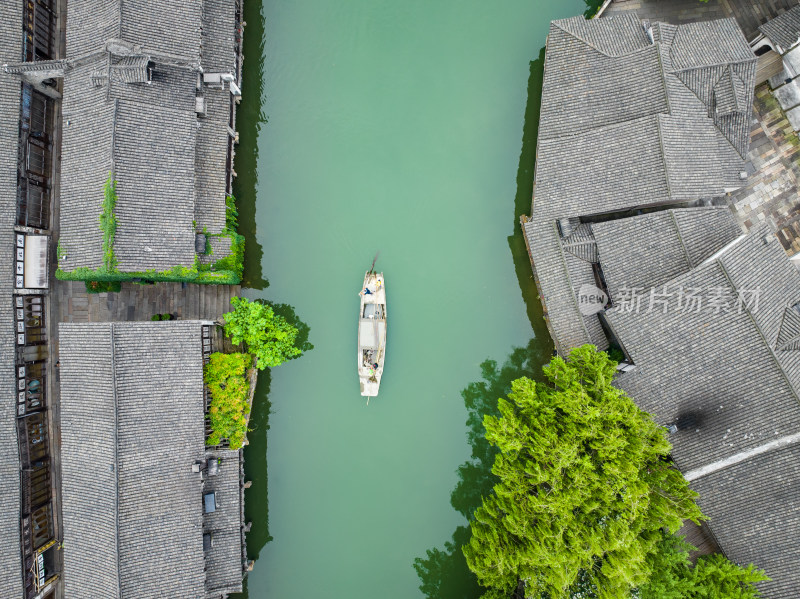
x: 367, y: 333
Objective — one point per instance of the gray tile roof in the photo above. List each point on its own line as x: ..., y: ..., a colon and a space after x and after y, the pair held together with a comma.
x: 173, y: 86
x: 731, y: 383
x: 581, y: 243
x: 219, y: 35
x: 132, y: 419
x: 155, y: 205
x: 122, y: 128
x: 220, y: 248
x: 627, y: 122
x: 760, y: 500
x: 10, y: 558
x: 589, y: 85
x: 170, y: 164
x: 211, y: 182
x: 649, y: 250
x: 145, y: 23
x: 789, y: 332
x: 570, y: 327
x: 225, y: 558
x: 581, y: 273
x: 86, y: 165
x: 783, y: 30
x: 709, y: 43
x: 574, y: 176
x: 719, y: 367
x: 729, y: 94
x: 90, y: 25
x: 211, y: 155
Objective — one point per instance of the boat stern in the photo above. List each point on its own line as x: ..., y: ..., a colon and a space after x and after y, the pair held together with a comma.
x: 369, y: 388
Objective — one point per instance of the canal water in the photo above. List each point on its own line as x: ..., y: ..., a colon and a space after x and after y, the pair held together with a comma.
x: 406, y: 128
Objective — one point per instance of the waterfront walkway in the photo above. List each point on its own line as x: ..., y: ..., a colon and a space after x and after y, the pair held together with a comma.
x: 748, y: 13
x: 676, y: 12
x: 71, y: 303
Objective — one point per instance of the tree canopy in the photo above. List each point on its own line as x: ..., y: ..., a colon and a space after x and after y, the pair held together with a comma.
x: 585, y: 487
x: 714, y: 576
x: 268, y: 336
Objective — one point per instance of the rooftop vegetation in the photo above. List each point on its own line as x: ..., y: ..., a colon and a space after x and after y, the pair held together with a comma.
x: 225, y: 271
x: 233, y: 263
x: 108, y: 224
x: 228, y: 384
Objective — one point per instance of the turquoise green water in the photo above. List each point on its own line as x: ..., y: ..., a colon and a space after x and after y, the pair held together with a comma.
x: 404, y: 128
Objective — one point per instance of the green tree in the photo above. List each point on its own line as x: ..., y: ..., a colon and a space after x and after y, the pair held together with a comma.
x: 714, y: 576
x: 669, y: 567
x: 268, y: 336
x: 226, y: 378
x: 585, y: 487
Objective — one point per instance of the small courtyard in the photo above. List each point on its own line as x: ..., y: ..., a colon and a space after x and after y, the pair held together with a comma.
x: 774, y: 167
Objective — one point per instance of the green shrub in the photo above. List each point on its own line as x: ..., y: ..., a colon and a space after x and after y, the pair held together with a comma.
x: 108, y: 224
x: 102, y: 286
x: 616, y: 354
x: 226, y: 378
x: 231, y: 214
x: 184, y: 275
x: 235, y: 261
x: 226, y: 271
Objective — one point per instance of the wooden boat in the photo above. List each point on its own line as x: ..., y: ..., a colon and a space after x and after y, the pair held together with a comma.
x: 371, y: 333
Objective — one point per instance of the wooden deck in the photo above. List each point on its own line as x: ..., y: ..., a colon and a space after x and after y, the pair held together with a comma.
x: 71, y: 303
x: 768, y: 65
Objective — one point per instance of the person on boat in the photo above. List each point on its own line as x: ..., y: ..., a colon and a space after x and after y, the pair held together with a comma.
x: 366, y: 291
x: 375, y: 366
